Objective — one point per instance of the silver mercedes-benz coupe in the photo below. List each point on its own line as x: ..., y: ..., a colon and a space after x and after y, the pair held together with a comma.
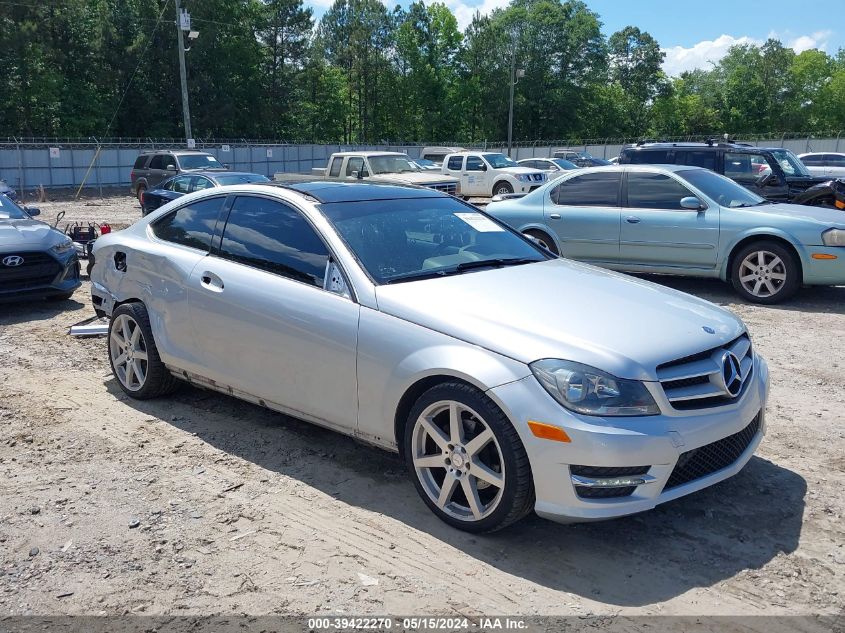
x: 508, y: 379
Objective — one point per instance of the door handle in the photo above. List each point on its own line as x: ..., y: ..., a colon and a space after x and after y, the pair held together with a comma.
x: 554, y: 216
x: 212, y: 281
x: 632, y: 219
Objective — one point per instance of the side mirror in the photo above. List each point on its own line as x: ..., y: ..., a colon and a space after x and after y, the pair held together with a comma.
x: 33, y: 211
x: 171, y: 167
x: 692, y: 203
x: 483, y: 167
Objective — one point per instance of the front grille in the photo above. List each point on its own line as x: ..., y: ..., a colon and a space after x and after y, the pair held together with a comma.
x: 701, y: 380
x: 589, y: 492
x: 37, y: 269
x: 711, y: 458
x: 446, y: 187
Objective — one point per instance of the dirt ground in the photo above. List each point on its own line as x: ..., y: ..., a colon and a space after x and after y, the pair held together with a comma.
x: 202, y: 504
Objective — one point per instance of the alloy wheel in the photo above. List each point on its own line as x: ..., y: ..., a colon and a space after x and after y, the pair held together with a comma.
x: 458, y: 460
x: 128, y: 351
x: 762, y: 273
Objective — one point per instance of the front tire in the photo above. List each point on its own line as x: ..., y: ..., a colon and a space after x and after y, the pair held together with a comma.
x: 466, y: 459
x: 502, y: 189
x: 133, y: 354
x: 765, y: 272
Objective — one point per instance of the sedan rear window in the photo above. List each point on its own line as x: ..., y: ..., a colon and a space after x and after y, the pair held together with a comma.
x: 599, y: 189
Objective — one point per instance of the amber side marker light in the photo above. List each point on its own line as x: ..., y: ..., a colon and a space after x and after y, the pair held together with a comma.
x: 839, y: 204
x: 548, y: 431
x: 823, y: 256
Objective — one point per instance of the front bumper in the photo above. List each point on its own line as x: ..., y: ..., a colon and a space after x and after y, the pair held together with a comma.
x: 656, y: 441
x: 48, y: 276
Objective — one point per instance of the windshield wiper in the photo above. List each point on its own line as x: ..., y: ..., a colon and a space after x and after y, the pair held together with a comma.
x: 485, y: 263
x: 422, y: 274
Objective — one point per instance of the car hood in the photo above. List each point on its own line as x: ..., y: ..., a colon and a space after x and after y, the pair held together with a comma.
x: 15, y: 234
x: 520, y: 170
x: 414, y: 178
x: 567, y: 310
x: 821, y: 215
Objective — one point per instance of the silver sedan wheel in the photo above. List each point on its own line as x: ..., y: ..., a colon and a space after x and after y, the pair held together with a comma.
x: 128, y: 351
x: 762, y: 274
x: 458, y: 460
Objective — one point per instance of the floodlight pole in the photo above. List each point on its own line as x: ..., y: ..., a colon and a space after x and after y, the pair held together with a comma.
x: 510, y: 110
x: 186, y: 110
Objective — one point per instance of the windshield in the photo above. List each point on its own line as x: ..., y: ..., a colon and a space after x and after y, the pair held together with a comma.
x: 10, y: 211
x: 722, y: 190
x: 401, y: 240
x: 789, y: 163
x: 239, y: 179
x: 498, y: 161
x: 564, y: 164
x: 389, y: 164
x: 199, y: 161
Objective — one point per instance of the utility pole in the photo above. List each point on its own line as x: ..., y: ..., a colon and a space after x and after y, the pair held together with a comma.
x: 516, y: 75
x: 186, y: 110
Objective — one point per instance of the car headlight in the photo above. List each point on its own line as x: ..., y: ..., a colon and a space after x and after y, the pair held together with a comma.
x: 833, y: 237
x: 590, y: 391
x: 523, y: 177
x: 62, y: 248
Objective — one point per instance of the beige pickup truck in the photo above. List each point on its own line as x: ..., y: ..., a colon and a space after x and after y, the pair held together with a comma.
x: 390, y: 167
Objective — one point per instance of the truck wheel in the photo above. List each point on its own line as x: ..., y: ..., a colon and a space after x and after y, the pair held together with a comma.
x: 502, y: 188
x: 765, y: 272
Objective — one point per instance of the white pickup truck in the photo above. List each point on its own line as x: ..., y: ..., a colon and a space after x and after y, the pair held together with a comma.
x: 390, y: 167
x: 491, y: 174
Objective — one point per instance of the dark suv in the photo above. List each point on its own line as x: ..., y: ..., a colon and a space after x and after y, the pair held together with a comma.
x: 772, y: 172
x: 152, y: 167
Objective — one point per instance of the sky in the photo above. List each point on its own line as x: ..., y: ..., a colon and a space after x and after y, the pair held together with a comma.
x: 694, y: 34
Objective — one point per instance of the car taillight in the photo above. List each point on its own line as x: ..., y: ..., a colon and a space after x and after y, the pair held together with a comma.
x: 105, y: 228
x: 132, y: 174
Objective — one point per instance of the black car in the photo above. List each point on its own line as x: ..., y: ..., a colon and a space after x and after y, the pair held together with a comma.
x: 36, y: 260
x: 774, y: 173
x: 178, y: 186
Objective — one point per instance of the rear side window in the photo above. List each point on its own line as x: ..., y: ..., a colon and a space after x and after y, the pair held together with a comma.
x: 335, y: 169
x: 157, y: 161
x: 655, y: 191
x: 435, y: 158
x: 272, y: 236
x: 140, y: 162
x: 191, y: 225
x: 818, y: 160
x: 652, y: 157
x: 745, y: 167
x: 455, y: 163
x: 589, y: 190
x: 698, y: 159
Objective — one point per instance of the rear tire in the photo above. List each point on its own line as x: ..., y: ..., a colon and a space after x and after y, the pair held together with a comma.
x: 545, y: 241
x: 133, y: 354
x: 466, y: 459
x: 765, y: 272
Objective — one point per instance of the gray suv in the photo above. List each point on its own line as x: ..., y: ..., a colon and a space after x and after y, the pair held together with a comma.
x: 153, y: 167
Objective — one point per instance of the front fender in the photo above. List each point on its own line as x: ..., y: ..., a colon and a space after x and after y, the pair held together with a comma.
x: 760, y: 232
x: 394, y: 355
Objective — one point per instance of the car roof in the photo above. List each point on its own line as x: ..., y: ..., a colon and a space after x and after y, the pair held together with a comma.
x: 174, y: 151
x: 369, y: 153
x: 734, y: 147
x: 330, y: 192
x: 217, y: 173
x: 821, y: 153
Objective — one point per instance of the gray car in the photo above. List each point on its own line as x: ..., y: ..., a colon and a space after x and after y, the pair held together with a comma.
x: 509, y: 380
x: 36, y: 260
x: 153, y: 167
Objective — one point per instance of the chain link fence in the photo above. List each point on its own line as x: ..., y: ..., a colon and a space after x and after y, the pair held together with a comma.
x: 29, y: 163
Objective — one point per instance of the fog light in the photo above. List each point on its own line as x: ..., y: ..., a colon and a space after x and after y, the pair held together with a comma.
x: 611, y: 482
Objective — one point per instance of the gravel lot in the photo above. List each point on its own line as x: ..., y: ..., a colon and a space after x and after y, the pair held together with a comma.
x: 202, y: 504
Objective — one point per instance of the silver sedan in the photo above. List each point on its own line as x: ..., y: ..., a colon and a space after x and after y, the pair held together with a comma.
x: 509, y: 380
